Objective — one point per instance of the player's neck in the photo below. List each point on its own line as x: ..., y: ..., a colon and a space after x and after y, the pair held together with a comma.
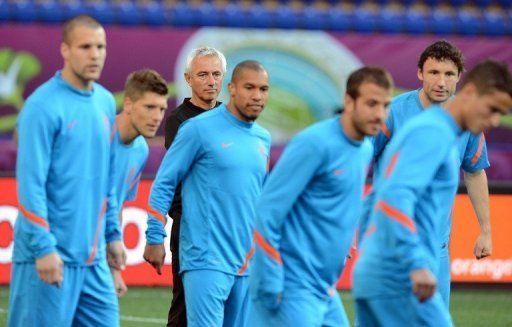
x: 453, y: 107
x: 127, y: 133
x: 206, y: 105
x: 349, y: 129
x: 69, y: 76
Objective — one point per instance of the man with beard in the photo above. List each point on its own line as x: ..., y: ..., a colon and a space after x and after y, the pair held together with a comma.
x: 309, y: 209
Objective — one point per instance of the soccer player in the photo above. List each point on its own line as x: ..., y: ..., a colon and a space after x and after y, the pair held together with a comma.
x: 222, y: 158
x: 309, y: 208
x: 144, y: 105
x: 394, y: 283
x: 204, y: 72
x: 68, y: 219
x: 439, y: 68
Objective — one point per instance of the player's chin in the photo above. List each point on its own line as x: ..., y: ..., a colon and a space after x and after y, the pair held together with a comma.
x: 372, y: 130
x: 149, y: 134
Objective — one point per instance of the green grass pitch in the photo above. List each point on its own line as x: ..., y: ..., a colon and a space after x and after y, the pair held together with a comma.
x: 469, y: 307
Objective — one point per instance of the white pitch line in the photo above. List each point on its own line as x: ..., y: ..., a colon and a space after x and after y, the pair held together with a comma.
x: 142, y: 319
x: 126, y: 318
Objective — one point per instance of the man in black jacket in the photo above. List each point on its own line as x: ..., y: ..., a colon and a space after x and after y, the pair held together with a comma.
x: 204, y: 72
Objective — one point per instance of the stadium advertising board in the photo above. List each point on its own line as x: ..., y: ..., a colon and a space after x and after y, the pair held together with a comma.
x: 464, y: 267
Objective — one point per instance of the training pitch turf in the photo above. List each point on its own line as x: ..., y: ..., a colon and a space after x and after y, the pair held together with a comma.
x: 469, y: 307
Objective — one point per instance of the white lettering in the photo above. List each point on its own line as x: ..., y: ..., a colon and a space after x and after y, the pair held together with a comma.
x: 138, y: 217
x: 496, y: 269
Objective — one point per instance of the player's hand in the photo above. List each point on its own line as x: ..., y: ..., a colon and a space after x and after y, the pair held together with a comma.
x: 423, y: 284
x: 483, y: 246
x: 119, y: 283
x: 116, y: 255
x: 49, y: 268
x: 155, y: 255
x: 270, y: 300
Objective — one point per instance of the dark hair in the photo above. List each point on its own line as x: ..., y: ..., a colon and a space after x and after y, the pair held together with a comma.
x: 247, y: 64
x: 442, y: 50
x: 368, y: 74
x: 489, y: 76
x: 81, y: 20
x: 142, y: 81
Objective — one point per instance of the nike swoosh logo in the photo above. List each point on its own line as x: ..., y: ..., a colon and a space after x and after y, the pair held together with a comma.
x: 227, y: 145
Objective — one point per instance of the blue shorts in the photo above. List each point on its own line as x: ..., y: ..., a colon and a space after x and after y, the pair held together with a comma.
x: 214, y: 298
x: 404, y: 311
x: 85, y: 298
x: 444, y: 276
x: 300, y: 310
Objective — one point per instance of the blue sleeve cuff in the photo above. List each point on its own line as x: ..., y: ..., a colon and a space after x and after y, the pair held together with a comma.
x: 155, y: 233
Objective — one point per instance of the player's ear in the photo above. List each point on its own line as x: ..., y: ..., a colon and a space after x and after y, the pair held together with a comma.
x: 187, y: 78
x: 348, y: 102
x: 64, y: 50
x: 469, y: 90
x: 127, y: 105
x: 420, y: 74
x: 231, y: 88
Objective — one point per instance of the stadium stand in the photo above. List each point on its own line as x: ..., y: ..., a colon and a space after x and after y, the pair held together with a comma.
x: 440, y: 17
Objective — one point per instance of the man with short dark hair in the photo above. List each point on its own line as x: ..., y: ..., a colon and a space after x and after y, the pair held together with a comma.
x: 309, y: 208
x: 393, y: 280
x: 221, y: 157
x: 439, y: 69
x: 68, y: 209
x: 204, y: 72
x: 144, y: 105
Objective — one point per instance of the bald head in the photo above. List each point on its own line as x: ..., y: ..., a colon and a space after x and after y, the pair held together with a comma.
x: 246, y: 65
x: 82, y: 20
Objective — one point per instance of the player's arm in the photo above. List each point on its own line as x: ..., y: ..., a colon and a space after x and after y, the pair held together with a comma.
x: 409, y: 172
x: 379, y: 144
x: 292, y: 173
x: 176, y: 163
x: 383, y: 137
x: 37, y: 126
x: 474, y: 162
x: 116, y: 254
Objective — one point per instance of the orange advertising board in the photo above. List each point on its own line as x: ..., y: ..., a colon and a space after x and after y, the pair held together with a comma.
x: 464, y: 267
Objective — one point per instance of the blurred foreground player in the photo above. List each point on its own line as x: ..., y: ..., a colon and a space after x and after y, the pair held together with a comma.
x: 439, y: 69
x: 144, y: 105
x: 394, y: 283
x: 204, y: 72
x: 309, y: 209
x: 221, y: 157
x: 68, y: 209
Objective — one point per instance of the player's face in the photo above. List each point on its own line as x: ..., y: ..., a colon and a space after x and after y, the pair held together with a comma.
x: 84, y: 55
x: 370, y: 109
x: 146, y: 113
x: 484, y: 111
x: 439, y: 79
x: 249, y: 94
x: 205, y: 79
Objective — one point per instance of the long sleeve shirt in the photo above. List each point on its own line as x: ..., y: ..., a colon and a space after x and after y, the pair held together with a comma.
x: 64, y: 174
x: 308, y: 212
x: 417, y: 182
x: 130, y: 160
x: 222, y: 162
